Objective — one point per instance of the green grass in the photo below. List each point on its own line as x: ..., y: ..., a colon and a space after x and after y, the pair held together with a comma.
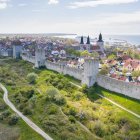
x: 27, y: 133
x: 125, y: 101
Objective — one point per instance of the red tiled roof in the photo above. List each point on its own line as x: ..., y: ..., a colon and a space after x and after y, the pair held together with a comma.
x: 95, y: 47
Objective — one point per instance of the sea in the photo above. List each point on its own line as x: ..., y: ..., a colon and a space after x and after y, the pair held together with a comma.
x: 132, y: 39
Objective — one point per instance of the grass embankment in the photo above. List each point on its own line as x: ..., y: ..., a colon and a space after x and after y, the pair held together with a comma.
x: 52, y: 92
x: 125, y: 101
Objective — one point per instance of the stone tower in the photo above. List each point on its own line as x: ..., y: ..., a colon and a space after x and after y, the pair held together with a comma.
x: 39, y: 57
x: 17, y: 49
x: 100, y: 43
x: 91, y: 69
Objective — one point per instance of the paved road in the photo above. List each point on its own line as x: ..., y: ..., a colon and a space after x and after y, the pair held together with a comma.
x: 28, y: 121
x: 120, y: 106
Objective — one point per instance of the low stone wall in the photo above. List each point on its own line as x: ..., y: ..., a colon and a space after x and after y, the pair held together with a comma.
x: 128, y: 89
x: 30, y: 59
x: 76, y: 73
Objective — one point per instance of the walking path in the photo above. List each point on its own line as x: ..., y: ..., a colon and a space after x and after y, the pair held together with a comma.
x: 120, y: 106
x: 28, y: 121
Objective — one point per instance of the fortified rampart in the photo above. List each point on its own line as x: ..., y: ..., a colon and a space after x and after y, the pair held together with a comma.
x: 128, y: 89
x: 61, y: 68
x: 88, y: 75
x: 30, y: 59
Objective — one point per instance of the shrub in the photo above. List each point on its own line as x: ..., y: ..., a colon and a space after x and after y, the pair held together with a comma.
x: 2, y: 106
x: 51, y: 92
x: 82, y: 116
x: 6, y: 113
x: 72, y: 111
x: 78, y: 96
x: 99, y: 129
x: 13, y: 120
x: 59, y: 99
x: 27, y: 92
x: 9, y: 82
x: 72, y: 119
x: 52, y: 110
x: 84, y: 88
x: 122, y: 121
x: 27, y: 111
x: 50, y: 126
x: 31, y: 77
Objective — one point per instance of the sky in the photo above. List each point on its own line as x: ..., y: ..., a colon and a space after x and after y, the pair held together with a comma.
x: 83, y: 17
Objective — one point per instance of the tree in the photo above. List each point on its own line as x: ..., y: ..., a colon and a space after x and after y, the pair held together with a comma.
x: 111, y: 57
x: 52, y: 92
x: 124, y: 71
x: 31, y: 77
x: 136, y: 73
x: 104, y: 70
x: 94, y: 54
x: 85, y: 53
x: 71, y: 51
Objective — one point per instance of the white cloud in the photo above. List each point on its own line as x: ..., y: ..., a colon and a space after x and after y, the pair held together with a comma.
x: 3, y: 4
x: 53, y: 2
x: 107, y: 23
x: 22, y: 4
x: 94, y: 3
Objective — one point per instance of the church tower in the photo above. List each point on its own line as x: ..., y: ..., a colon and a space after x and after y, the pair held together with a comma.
x: 82, y: 43
x: 88, y: 44
x: 100, y: 43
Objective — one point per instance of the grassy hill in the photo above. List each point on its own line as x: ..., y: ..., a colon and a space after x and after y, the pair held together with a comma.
x: 64, y: 111
x: 17, y: 130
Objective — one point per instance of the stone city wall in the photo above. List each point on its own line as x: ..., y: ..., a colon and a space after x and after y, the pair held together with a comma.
x: 76, y: 73
x: 128, y: 89
x: 30, y: 59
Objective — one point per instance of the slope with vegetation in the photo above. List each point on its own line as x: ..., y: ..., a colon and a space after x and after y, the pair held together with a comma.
x: 61, y: 109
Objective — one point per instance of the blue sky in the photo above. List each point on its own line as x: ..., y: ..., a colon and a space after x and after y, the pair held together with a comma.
x: 70, y: 16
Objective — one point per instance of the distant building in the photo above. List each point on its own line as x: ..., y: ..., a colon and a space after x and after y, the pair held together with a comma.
x: 97, y: 46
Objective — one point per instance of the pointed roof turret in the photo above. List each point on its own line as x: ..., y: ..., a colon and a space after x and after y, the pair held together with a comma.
x: 88, y: 40
x: 100, y: 38
x: 82, y: 40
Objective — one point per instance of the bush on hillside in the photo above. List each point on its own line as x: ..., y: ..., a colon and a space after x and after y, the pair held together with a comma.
x: 60, y: 82
x: 31, y: 77
x: 72, y: 119
x: 27, y: 111
x: 51, y: 93
x: 72, y: 111
x: 78, y: 96
x: 59, y: 99
x: 6, y: 113
x: 13, y: 120
x: 99, y: 129
x: 84, y: 88
x: 52, y: 110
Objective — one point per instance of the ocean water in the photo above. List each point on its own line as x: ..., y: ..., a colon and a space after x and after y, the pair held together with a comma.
x: 133, y: 39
